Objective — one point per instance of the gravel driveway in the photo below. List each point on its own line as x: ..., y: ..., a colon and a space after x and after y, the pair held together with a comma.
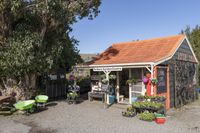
x: 91, y: 117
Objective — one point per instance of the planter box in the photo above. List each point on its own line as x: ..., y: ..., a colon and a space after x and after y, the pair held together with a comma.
x: 160, y: 120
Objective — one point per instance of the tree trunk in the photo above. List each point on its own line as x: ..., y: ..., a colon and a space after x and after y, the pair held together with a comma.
x: 23, y: 89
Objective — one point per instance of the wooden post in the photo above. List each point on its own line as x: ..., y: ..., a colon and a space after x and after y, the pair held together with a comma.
x: 143, y: 86
x: 130, y: 85
x: 168, y: 90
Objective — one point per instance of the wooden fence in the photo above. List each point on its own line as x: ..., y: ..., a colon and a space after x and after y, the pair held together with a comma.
x: 56, y: 86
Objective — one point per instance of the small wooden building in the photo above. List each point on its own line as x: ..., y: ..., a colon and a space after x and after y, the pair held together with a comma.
x: 170, y: 60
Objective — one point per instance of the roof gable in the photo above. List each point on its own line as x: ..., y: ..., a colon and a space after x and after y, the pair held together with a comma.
x: 151, y: 51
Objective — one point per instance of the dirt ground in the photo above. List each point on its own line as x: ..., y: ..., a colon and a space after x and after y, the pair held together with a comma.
x: 92, y: 117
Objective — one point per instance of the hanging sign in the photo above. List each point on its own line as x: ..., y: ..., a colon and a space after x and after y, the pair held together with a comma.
x: 98, y: 69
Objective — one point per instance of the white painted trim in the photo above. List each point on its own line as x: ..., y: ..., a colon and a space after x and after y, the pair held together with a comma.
x: 168, y: 58
x: 148, y: 69
x: 130, y: 85
x: 125, y: 64
x: 135, y: 66
x: 191, y: 49
x: 117, y: 87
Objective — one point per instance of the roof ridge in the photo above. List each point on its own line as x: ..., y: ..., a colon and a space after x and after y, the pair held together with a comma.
x: 157, y: 38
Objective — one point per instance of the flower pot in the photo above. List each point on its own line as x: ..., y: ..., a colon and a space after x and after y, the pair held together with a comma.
x: 160, y: 120
x: 145, y: 80
x: 128, y: 114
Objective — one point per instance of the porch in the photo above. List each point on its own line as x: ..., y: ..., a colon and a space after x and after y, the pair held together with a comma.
x: 128, y: 83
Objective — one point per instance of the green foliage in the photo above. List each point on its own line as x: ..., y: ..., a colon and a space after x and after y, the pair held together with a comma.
x: 84, y: 83
x: 154, y: 81
x: 129, y: 112
x: 130, y: 108
x: 104, y: 81
x: 194, y: 38
x: 72, y: 95
x: 152, y: 98
x: 34, y: 35
x: 112, y: 77
x: 148, y: 104
x: 131, y: 81
x: 146, y: 116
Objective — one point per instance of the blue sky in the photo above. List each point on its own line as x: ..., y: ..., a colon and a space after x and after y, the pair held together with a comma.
x: 127, y: 20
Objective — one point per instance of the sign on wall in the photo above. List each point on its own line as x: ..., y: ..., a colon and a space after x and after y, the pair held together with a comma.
x: 185, y: 57
x: 98, y: 69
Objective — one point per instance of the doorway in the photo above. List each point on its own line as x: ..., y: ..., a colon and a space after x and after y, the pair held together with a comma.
x: 124, y: 87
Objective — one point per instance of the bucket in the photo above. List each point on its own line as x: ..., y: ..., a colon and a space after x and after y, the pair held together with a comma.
x: 133, y: 99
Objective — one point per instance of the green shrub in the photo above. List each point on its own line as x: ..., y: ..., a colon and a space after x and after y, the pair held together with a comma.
x: 72, y: 95
x: 147, y: 104
x: 146, y: 116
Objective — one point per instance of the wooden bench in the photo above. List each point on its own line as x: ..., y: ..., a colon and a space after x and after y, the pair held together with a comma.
x: 96, y: 94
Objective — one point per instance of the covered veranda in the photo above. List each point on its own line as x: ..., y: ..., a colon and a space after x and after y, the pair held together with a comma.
x: 125, y: 72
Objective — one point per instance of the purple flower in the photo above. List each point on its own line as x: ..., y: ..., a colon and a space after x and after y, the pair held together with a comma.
x: 71, y: 77
x: 145, y: 80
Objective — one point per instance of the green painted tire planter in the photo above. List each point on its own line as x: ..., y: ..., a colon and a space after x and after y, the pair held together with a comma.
x: 157, y: 115
x: 41, y: 98
x: 24, y: 105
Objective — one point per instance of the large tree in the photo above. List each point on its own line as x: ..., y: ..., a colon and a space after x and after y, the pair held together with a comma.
x: 194, y: 38
x: 34, y: 37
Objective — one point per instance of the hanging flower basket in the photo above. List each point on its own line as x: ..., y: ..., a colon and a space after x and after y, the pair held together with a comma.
x: 154, y: 81
x: 145, y: 80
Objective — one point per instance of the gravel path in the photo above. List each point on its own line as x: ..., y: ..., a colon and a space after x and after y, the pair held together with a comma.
x: 91, y: 117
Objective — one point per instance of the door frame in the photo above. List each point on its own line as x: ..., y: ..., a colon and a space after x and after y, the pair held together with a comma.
x: 167, y: 93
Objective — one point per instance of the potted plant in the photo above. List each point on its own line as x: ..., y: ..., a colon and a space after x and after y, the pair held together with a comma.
x: 71, y: 97
x: 131, y: 81
x: 112, y: 77
x: 159, y: 118
x: 154, y: 81
x: 130, y: 112
x: 104, y: 81
x: 146, y: 116
x: 145, y: 80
